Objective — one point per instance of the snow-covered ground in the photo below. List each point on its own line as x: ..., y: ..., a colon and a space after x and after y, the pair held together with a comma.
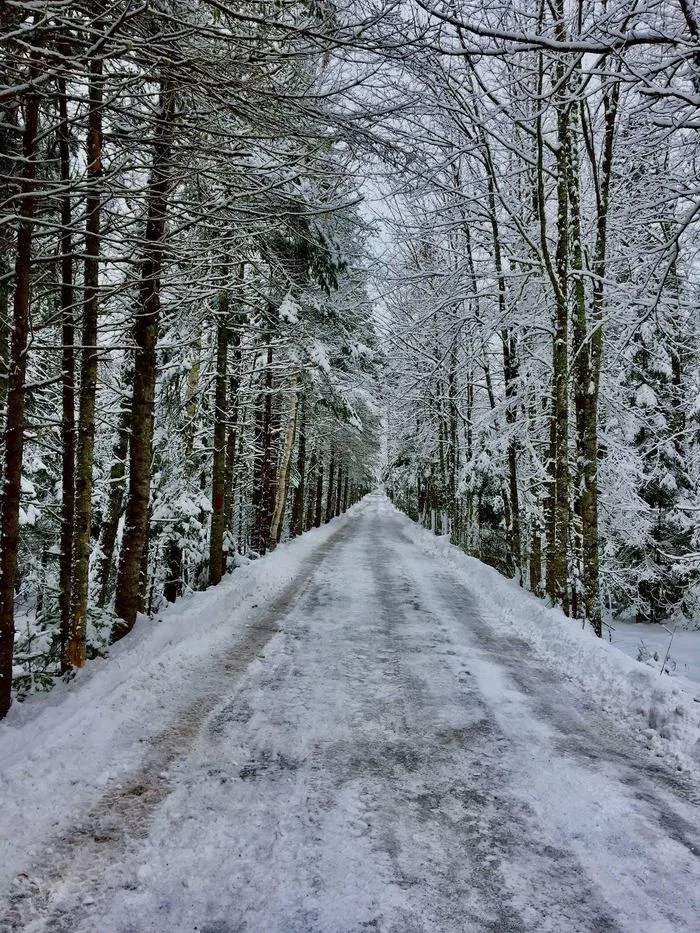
x: 365, y: 731
x: 653, y: 641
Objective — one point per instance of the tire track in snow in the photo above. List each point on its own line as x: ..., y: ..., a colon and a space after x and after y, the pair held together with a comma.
x: 79, y: 856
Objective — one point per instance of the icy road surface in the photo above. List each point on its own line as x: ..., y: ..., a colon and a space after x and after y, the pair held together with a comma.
x: 380, y: 758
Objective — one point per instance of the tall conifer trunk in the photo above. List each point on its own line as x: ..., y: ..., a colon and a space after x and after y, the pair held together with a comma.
x: 145, y: 333
x: 218, y: 490
x: 297, y: 518
x: 318, y: 504
x: 558, y: 558
x: 14, y: 425
x: 117, y: 483
x: 67, y: 380
x: 285, y: 461
x: 234, y: 387
x: 331, y: 487
x: 311, y: 491
x: 75, y: 649
x: 262, y: 480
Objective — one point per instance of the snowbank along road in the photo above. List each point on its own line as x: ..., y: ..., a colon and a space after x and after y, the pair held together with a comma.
x: 376, y: 754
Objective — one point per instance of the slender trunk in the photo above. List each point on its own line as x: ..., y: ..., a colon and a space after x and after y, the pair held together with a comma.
x: 262, y: 483
x: 557, y: 508
x: 318, y: 504
x: 338, y: 491
x: 128, y: 596
x: 117, y: 477
x: 4, y: 319
x: 551, y: 500
x: 218, y: 473
x: 311, y: 492
x: 14, y: 425
x: 297, y: 519
x: 75, y: 649
x: 589, y: 505
x: 283, y: 474
x: 9, y: 164
x: 536, y: 558
x: 560, y: 362
x: 172, y: 585
x: 330, y: 489
x: 509, y: 374
x: 231, y: 441
x: 453, y: 501
x: 581, y: 362
x: 67, y: 381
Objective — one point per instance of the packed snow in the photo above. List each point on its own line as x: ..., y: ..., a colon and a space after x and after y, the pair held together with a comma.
x: 366, y: 730
x: 677, y: 650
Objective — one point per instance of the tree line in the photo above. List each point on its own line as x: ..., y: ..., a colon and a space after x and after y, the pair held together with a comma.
x: 205, y: 333
x: 544, y: 315
x: 187, y: 351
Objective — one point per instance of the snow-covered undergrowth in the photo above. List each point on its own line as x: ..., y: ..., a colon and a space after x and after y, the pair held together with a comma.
x: 650, y: 643
x: 59, y: 751
x: 661, y: 711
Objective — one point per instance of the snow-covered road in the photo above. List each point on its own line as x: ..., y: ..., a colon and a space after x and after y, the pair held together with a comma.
x: 384, y: 759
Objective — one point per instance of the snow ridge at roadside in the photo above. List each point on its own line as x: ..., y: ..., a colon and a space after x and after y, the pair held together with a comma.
x: 661, y: 713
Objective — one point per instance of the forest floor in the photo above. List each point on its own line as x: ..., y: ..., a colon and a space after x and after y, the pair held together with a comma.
x: 365, y: 731
x: 654, y: 641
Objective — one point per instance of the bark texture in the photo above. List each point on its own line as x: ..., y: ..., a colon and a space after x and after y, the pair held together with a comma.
x: 145, y: 334
x: 14, y: 425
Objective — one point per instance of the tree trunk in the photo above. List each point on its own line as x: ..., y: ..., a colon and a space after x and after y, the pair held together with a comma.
x: 318, y: 505
x: 560, y: 361
x: 262, y: 482
x: 172, y: 586
x: 117, y: 476
x: 331, y: 488
x: 283, y: 474
x: 297, y: 519
x: 75, y: 649
x: 67, y: 381
x: 311, y: 491
x: 589, y: 499
x: 536, y: 558
x: 14, y: 425
x: 231, y: 441
x: 338, y: 491
x: 510, y: 373
x: 128, y: 596
x: 218, y: 484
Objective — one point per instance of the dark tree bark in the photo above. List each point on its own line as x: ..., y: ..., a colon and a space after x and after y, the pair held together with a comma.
x: 262, y: 481
x: 337, y: 507
x: 117, y: 482
x: 283, y: 474
x: 128, y: 596
x: 331, y: 488
x: 67, y: 380
x: 75, y: 649
x: 231, y: 439
x: 9, y: 162
x: 14, y: 425
x: 218, y: 489
x: 559, y: 557
x: 297, y: 519
x: 172, y: 586
x: 318, y: 504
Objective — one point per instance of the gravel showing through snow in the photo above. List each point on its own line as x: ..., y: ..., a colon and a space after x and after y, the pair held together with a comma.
x: 389, y: 744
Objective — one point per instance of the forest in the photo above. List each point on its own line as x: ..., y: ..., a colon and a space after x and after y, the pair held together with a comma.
x: 257, y: 257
